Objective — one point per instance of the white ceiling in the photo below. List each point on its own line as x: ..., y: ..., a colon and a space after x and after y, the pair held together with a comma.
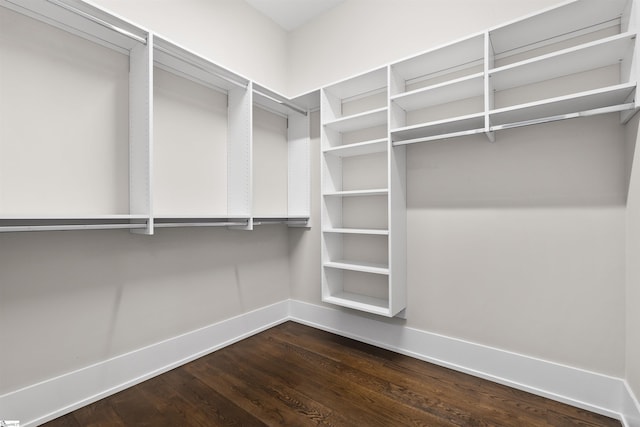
x: 290, y: 14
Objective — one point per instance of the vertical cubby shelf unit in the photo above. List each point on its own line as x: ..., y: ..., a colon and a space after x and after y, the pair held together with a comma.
x: 363, y: 198
x: 575, y: 60
x: 187, y: 157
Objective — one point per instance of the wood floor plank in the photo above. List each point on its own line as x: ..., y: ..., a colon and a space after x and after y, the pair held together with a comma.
x: 428, y: 379
x: 276, y: 403
x: 294, y: 375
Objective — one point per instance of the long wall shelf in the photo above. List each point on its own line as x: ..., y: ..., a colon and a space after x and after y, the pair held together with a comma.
x: 193, y: 151
x: 570, y: 61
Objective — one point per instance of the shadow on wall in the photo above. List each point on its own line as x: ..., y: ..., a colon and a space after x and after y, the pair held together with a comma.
x: 96, y: 294
x: 578, y: 162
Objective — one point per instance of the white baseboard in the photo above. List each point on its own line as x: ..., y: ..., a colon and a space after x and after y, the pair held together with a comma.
x: 630, y: 408
x: 588, y: 390
x: 42, y: 402
x: 39, y: 403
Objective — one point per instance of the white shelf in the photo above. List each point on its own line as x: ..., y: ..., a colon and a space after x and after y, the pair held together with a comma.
x: 83, y: 20
x: 558, y: 22
x: 582, y: 101
x: 364, y: 120
x: 359, y: 302
x: 185, y: 63
x: 468, y: 124
x: 453, y: 57
x: 366, y: 231
x: 274, y: 102
x: 358, y: 149
x: 453, y: 90
x: 178, y: 215
x: 359, y: 85
x: 589, y: 56
x: 363, y: 267
x: 358, y: 193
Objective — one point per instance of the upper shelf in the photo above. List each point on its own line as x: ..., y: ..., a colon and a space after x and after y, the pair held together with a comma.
x: 359, y: 148
x: 589, y: 56
x: 462, y: 57
x: 272, y: 101
x: 84, y: 20
x: 181, y: 61
x: 580, y: 102
x: 455, y: 126
x: 557, y: 23
x: 364, y: 120
x: 356, y: 86
x: 442, y: 93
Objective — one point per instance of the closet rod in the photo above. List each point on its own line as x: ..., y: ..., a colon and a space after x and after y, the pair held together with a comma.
x: 282, y: 102
x: 586, y: 113
x: 7, y: 229
x: 200, y: 67
x: 99, y: 21
x: 280, y: 222
x: 198, y: 224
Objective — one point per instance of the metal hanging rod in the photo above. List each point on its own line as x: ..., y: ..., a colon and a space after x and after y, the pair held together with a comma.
x: 282, y: 102
x: 67, y: 227
x: 264, y: 221
x: 200, y: 67
x: 198, y: 224
x: 586, y: 113
x: 99, y: 21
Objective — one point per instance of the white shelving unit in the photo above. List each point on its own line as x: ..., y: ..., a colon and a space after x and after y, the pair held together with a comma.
x: 363, y: 208
x: 574, y: 60
x: 189, y: 157
x: 439, y: 94
x: 61, y: 174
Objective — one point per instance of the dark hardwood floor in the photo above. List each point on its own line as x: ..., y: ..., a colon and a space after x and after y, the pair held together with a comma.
x: 293, y: 375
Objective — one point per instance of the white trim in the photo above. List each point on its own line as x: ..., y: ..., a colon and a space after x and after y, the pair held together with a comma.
x: 595, y: 392
x: 44, y: 401
x: 630, y: 408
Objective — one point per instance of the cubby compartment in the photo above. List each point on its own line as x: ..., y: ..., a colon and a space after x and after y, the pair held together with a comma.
x: 439, y: 93
x: 72, y: 164
x: 359, y: 290
x: 355, y: 173
x: 363, y: 249
x: 359, y: 99
x: 365, y: 212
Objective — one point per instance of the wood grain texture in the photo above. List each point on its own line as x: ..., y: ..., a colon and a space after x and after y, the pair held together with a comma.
x: 294, y: 375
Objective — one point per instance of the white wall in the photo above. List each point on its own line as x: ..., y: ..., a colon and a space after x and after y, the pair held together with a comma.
x: 633, y: 263
x: 228, y: 32
x: 71, y: 299
x: 517, y: 244
x: 359, y: 35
